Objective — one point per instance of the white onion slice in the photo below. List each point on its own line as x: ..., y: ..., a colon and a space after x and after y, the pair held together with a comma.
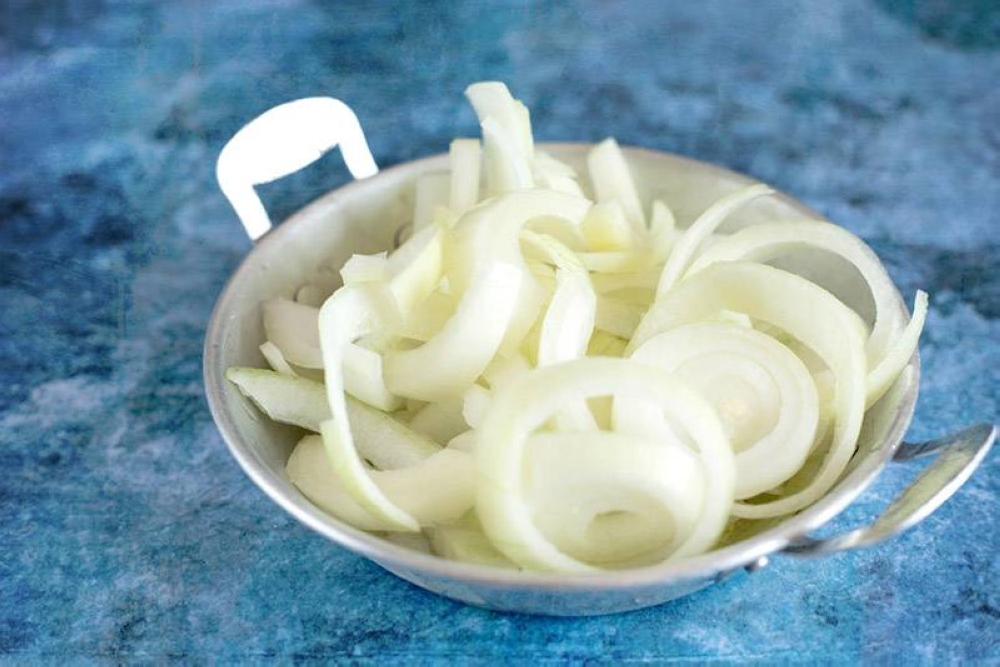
x: 767, y: 241
x: 433, y: 193
x: 612, y: 180
x: 275, y: 359
x: 695, y: 236
x: 350, y: 313
x: 524, y: 406
x: 762, y: 392
x: 466, y: 158
x: 826, y: 325
x: 381, y: 439
x: 610, y: 499
x: 438, y: 489
x: 450, y: 361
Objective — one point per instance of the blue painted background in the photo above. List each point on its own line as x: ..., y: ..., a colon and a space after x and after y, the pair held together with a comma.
x: 126, y: 530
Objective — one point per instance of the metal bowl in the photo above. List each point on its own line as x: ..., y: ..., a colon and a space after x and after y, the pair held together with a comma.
x: 364, y: 216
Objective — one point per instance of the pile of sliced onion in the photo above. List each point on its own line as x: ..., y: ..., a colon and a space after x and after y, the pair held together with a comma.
x: 551, y: 374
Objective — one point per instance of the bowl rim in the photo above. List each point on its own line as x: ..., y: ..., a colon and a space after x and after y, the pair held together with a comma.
x: 711, y: 564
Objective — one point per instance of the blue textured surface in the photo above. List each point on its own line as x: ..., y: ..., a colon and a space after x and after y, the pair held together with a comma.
x: 127, y: 531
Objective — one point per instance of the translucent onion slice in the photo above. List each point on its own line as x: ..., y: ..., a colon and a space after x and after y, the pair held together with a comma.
x: 491, y: 233
x: 466, y: 157
x: 615, y: 261
x: 606, y: 228
x: 695, y: 236
x: 428, y: 318
x: 662, y: 230
x: 762, y: 392
x: 438, y: 489
x: 552, y: 174
x: 767, y: 241
x: 568, y: 323
x: 415, y: 268
x: 606, y: 283
x: 524, y: 406
x: 612, y: 181
x: 440, y: 421
x: 508, y: 144
x: 433, y: 192
x: 348, y: 314
x: 504, y: 369
x: 464, y: 541
x: 452, y: 360
x: 506, y: 169
x: 384, y: 441
x: 896, y: 358
x: 492, y: 99
x: 806, y: 311
x: 275, y: 359
x: 364, y: 269
x: 617, y: 317
x: 294, y: 329
x: 613, y: 500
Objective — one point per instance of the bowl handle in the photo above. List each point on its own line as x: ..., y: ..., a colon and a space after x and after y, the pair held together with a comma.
x: 281, y: 141
x: 958, y: 455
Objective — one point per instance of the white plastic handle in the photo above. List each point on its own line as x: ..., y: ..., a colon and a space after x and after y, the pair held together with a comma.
x: 281, y: 141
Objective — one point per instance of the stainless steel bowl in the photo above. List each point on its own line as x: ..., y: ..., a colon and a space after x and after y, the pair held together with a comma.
x: 364, y: 216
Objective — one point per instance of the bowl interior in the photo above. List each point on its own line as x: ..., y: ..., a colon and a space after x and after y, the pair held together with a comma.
x: 363, y: 217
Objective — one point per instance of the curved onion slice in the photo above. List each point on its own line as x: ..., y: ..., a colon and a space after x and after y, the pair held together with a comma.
x: 348, y: 314
x: 275, y: 359
x: 606, y: 228
x: 568, y: 323
x: 695, y: 236
x: 896, y: 358
x: 524, y: 406
x: 491, y: 233
x: 612, y: 181
x: 763, y: 394
x: 464, y: 540
x: 381, y: 439
x: 415, y: 269
x: 767, y: 241
x: 435, y: 490
x: 450, y: 361
x: 509, y: 147
x: 440, y: 421
x: 612, y: 500
x: 466, y: 156
x: 552, y: 174
x: 827, y: 326
x: 294, y: 329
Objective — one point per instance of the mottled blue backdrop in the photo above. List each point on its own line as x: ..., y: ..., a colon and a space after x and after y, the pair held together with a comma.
x: 127, y: 531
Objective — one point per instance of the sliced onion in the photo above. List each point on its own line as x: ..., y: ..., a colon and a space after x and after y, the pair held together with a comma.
x: 763, y: 394
x: 466, y: 156
x: 450, y: 361
x: 606, y: 228
x: 433, y: 192
x: 766, y: 241
x: 275, y: 359
x: 346, y: 316
x: 612, y: 500
x: 438, y: 489
x: 612, y: 180
x: 384, y: 441
x: 695, y: 235
x: 524, y: 406
x: 827, y: 326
